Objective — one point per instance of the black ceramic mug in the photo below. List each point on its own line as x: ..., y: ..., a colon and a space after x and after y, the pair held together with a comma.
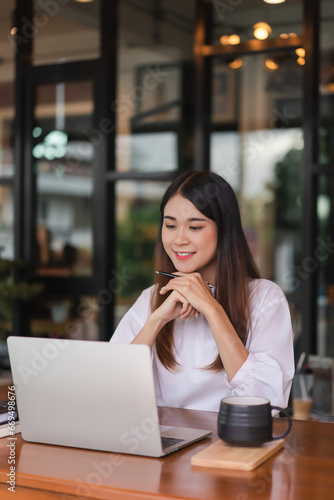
x: 247, y: 421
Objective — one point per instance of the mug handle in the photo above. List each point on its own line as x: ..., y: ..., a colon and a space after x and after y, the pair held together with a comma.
x: 289, y: 422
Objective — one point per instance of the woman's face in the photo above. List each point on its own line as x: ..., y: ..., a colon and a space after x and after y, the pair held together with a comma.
x: 189, y: 238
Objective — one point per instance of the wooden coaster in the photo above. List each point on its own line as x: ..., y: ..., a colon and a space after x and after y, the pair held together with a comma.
x: 224, y: 456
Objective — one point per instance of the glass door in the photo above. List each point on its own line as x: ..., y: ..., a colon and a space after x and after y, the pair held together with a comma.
x: 62, y: 214
x: 257, y: 146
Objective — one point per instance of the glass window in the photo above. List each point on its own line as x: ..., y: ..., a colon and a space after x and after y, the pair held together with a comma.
x: 7, y: 75
x: 157, y: 94
x: 63, y: 164
x: 326, y: 109
x: 257, y: 144
x: 323, y: 261
x: 239, y: 21
x: 65, y: 316
x: 6, y: 91
x: 137, y: 223
x: 6, y: 223
x: 155, y: 46
x: 65, y: 31
x: 155, y: 151
x: 224, y: 155
x: 6, y: 141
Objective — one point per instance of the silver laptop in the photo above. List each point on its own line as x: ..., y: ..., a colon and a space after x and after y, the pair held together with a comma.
x: 94, y: 395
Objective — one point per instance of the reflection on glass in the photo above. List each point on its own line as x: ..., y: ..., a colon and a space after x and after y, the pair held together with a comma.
x: 268, y: 187
x: 65, y: 316
x: 271, y: 200
x: 63, y: 165
x: 224, y: 84
x: 326, y: 87
x: 7, y: 90
x: 237, y: 22
x: 6, y: 146
x: 66, y: 31
x: 224, y: 154
x: 148, y: 152
x: 157, y: 93
x: 138, y: 216
x: 6, y: 223
x: 257, y: 147
x: 149, y: 88
x: 7, y: 112
x: 325, y: 261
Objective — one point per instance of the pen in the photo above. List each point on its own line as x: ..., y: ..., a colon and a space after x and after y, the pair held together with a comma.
x: 175, y: 276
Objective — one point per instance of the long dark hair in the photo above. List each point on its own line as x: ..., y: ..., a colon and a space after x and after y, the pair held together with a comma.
x: 235, y: 266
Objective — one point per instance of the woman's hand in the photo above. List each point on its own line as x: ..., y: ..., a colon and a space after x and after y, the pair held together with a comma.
x: 193, y: 289
x: 176, y: 305
x: 197, y: 293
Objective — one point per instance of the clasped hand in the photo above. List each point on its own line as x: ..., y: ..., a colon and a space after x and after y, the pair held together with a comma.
x: 190, y: 296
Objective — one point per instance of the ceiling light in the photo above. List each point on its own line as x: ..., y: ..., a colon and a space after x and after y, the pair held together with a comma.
x: 236, y: 63
x: 300, y: 52
x: 229, y: 39
x: 224, y: 39
x: 234, y: 39
x: 271, y: 64
x: 274, y: 1
x: 261, y: 31
x: 84, y: 1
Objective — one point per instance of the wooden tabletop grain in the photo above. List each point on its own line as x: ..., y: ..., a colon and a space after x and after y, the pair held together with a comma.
x: 304, y: 469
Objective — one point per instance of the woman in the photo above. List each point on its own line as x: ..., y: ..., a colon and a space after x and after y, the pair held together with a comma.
x: 233, y: 337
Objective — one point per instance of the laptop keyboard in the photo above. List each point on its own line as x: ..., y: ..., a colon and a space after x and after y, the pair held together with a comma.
x: 168, y: 441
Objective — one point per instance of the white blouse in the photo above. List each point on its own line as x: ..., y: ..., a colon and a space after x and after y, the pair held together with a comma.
x: 267, y: 372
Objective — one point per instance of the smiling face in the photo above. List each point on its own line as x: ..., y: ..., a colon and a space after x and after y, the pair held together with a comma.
x: 189, y: 238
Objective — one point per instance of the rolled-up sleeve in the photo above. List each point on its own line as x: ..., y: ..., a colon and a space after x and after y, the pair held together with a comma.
x: 269, y: 368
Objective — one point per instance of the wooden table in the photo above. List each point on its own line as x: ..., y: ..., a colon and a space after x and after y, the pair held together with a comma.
x: 303, y: 470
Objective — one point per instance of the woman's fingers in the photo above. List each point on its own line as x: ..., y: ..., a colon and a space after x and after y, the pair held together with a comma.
x: 176, y: 306
x: 188, y: 311
x: 182, y: 307
x: 193, y: 288
x: 186, y: 307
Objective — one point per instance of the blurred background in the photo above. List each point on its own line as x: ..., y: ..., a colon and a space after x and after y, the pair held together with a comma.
x: 103, y: 103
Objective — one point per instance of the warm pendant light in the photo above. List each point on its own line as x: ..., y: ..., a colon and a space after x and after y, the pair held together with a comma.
x: 271, y: 64
x: 274, y: 1
x: 300, y: 52
x: 234, y: 39
x: 261, y: 31
x: 230, y: 39
x: 224, y: 39
x: 236, y: 63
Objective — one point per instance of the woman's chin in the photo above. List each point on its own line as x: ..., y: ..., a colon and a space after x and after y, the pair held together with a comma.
x: 185, y: 269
